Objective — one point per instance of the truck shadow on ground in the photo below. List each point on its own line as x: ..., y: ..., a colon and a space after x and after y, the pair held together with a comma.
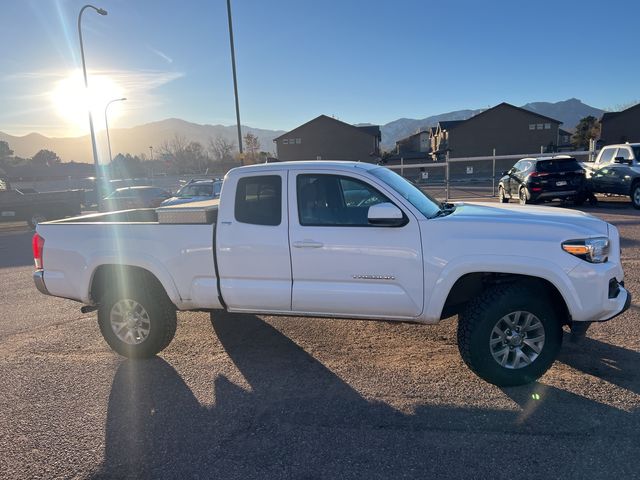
x: 300, y: 420
x: 616, y: 365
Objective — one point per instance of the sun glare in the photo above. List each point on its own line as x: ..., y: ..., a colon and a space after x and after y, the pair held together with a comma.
x: 72, y: 100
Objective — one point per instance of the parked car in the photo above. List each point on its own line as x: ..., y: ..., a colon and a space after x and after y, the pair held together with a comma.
x: 28, y: 205
x: 196, y: 191
x: 533, y: 180
x: 134, y: 197
x: 110, y: 186
x: 284, y: 240
x: 617, y: 171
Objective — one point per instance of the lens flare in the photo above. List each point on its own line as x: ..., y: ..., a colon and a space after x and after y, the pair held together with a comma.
x: 72, y: 100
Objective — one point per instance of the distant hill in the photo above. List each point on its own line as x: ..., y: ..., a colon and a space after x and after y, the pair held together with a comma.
x: 569, y: 112
x: 135, y: 140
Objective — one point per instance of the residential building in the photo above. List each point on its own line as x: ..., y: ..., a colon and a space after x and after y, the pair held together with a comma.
x: 508, y: 129
x: 417, y: 142
x: 564, y: 141
x: 326, y: 138
x: 621, y: 127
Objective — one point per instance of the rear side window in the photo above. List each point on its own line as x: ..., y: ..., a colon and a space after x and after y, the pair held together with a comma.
x: 624, y: 153
x: 259, y: 200
x: 564, y: 165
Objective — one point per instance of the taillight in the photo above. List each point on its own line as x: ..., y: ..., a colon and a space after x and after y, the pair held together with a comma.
x: 538, y: 174
x: 38, y: 245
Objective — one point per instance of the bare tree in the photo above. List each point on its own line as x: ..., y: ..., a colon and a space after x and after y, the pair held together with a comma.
x: 252, y: 147
x: 220, y: 149
x: 184, y: 156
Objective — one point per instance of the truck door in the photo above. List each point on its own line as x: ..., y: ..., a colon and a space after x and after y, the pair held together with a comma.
x: 252, y: 243
x: 341, y: 264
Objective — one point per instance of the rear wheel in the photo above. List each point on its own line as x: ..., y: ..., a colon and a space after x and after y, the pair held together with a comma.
x: 35, y: 219
x: 138, y: 321
x: 501, y: 195
x: 635, y: 195
x: 508, y: 336
x: 522, y: 196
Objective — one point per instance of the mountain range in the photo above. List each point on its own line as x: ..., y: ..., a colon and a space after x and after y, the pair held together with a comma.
x: 136, y: 140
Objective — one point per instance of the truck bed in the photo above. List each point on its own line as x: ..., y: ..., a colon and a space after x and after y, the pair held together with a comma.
x: 173, y: 243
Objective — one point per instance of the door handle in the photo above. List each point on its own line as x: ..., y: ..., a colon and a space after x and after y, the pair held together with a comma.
x: 308, y: 244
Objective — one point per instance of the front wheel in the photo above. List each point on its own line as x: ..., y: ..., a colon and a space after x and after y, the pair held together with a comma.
x: 635, y: 196
x: 138, y: 322
x: 508, y: 336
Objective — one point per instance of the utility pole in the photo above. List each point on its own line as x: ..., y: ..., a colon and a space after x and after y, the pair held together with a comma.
x: 235, y: 79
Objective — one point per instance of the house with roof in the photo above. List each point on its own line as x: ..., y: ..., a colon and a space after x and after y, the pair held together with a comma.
x: 508, y: 129
x: 327, y: 138
x: 621, y: 127
x: 414, y: 143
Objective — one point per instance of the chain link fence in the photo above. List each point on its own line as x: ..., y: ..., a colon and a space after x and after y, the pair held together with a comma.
x: 458, y: 178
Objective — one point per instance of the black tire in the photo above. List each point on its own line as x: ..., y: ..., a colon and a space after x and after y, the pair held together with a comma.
x: 476, y: 327
x: 579, y: 199
x: 593, y: 200
x: 161, y: 314
x: 501, y: 195
x: 635, y: 195
x: 522, y: 196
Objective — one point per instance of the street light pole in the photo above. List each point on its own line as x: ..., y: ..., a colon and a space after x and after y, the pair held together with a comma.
x: 235, y: 80
x: 106, y: 123
x: 86, y: 86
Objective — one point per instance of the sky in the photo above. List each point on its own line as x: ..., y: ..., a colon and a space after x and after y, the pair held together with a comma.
x: 363, y: 62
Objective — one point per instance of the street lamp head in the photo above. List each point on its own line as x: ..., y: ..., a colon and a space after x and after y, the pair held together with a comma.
x: 122, y: 99
x: 101, y: 11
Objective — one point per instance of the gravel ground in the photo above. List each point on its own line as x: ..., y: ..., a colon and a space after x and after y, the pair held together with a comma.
x: 278, y: 397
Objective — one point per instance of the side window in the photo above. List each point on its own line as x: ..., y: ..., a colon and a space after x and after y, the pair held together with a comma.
x: 333, y: 200
x: 259, y: 200
x: 624, y: 153
x: 607, y: 156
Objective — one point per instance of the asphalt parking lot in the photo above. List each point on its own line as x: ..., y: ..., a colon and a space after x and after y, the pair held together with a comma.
x: 279, y: 397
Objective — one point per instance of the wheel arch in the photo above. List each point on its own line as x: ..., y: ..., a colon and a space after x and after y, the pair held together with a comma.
x: 470, y: 285
x: 470, y: 274
x: 107, y: 273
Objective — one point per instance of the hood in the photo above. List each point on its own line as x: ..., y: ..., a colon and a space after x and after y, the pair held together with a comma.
x: 529, y: 216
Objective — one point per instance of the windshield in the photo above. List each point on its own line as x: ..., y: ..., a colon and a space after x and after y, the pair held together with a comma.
x: 196, y: 191
x: 424, y: 202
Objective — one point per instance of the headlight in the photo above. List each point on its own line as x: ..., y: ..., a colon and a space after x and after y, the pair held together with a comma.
x: 594, y: 250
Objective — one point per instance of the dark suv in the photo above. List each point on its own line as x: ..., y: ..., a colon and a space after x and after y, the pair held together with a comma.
x: 533, y: 180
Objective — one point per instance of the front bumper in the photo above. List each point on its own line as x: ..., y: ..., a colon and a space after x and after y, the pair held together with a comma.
x: 625, y: 307
x: 38, y: 279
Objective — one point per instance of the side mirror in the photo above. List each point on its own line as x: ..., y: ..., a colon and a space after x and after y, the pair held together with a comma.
x: 386, y: 215
x: 621, y: 160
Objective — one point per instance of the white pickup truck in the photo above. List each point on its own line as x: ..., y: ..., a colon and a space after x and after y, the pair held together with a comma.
x: 348, y: 240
